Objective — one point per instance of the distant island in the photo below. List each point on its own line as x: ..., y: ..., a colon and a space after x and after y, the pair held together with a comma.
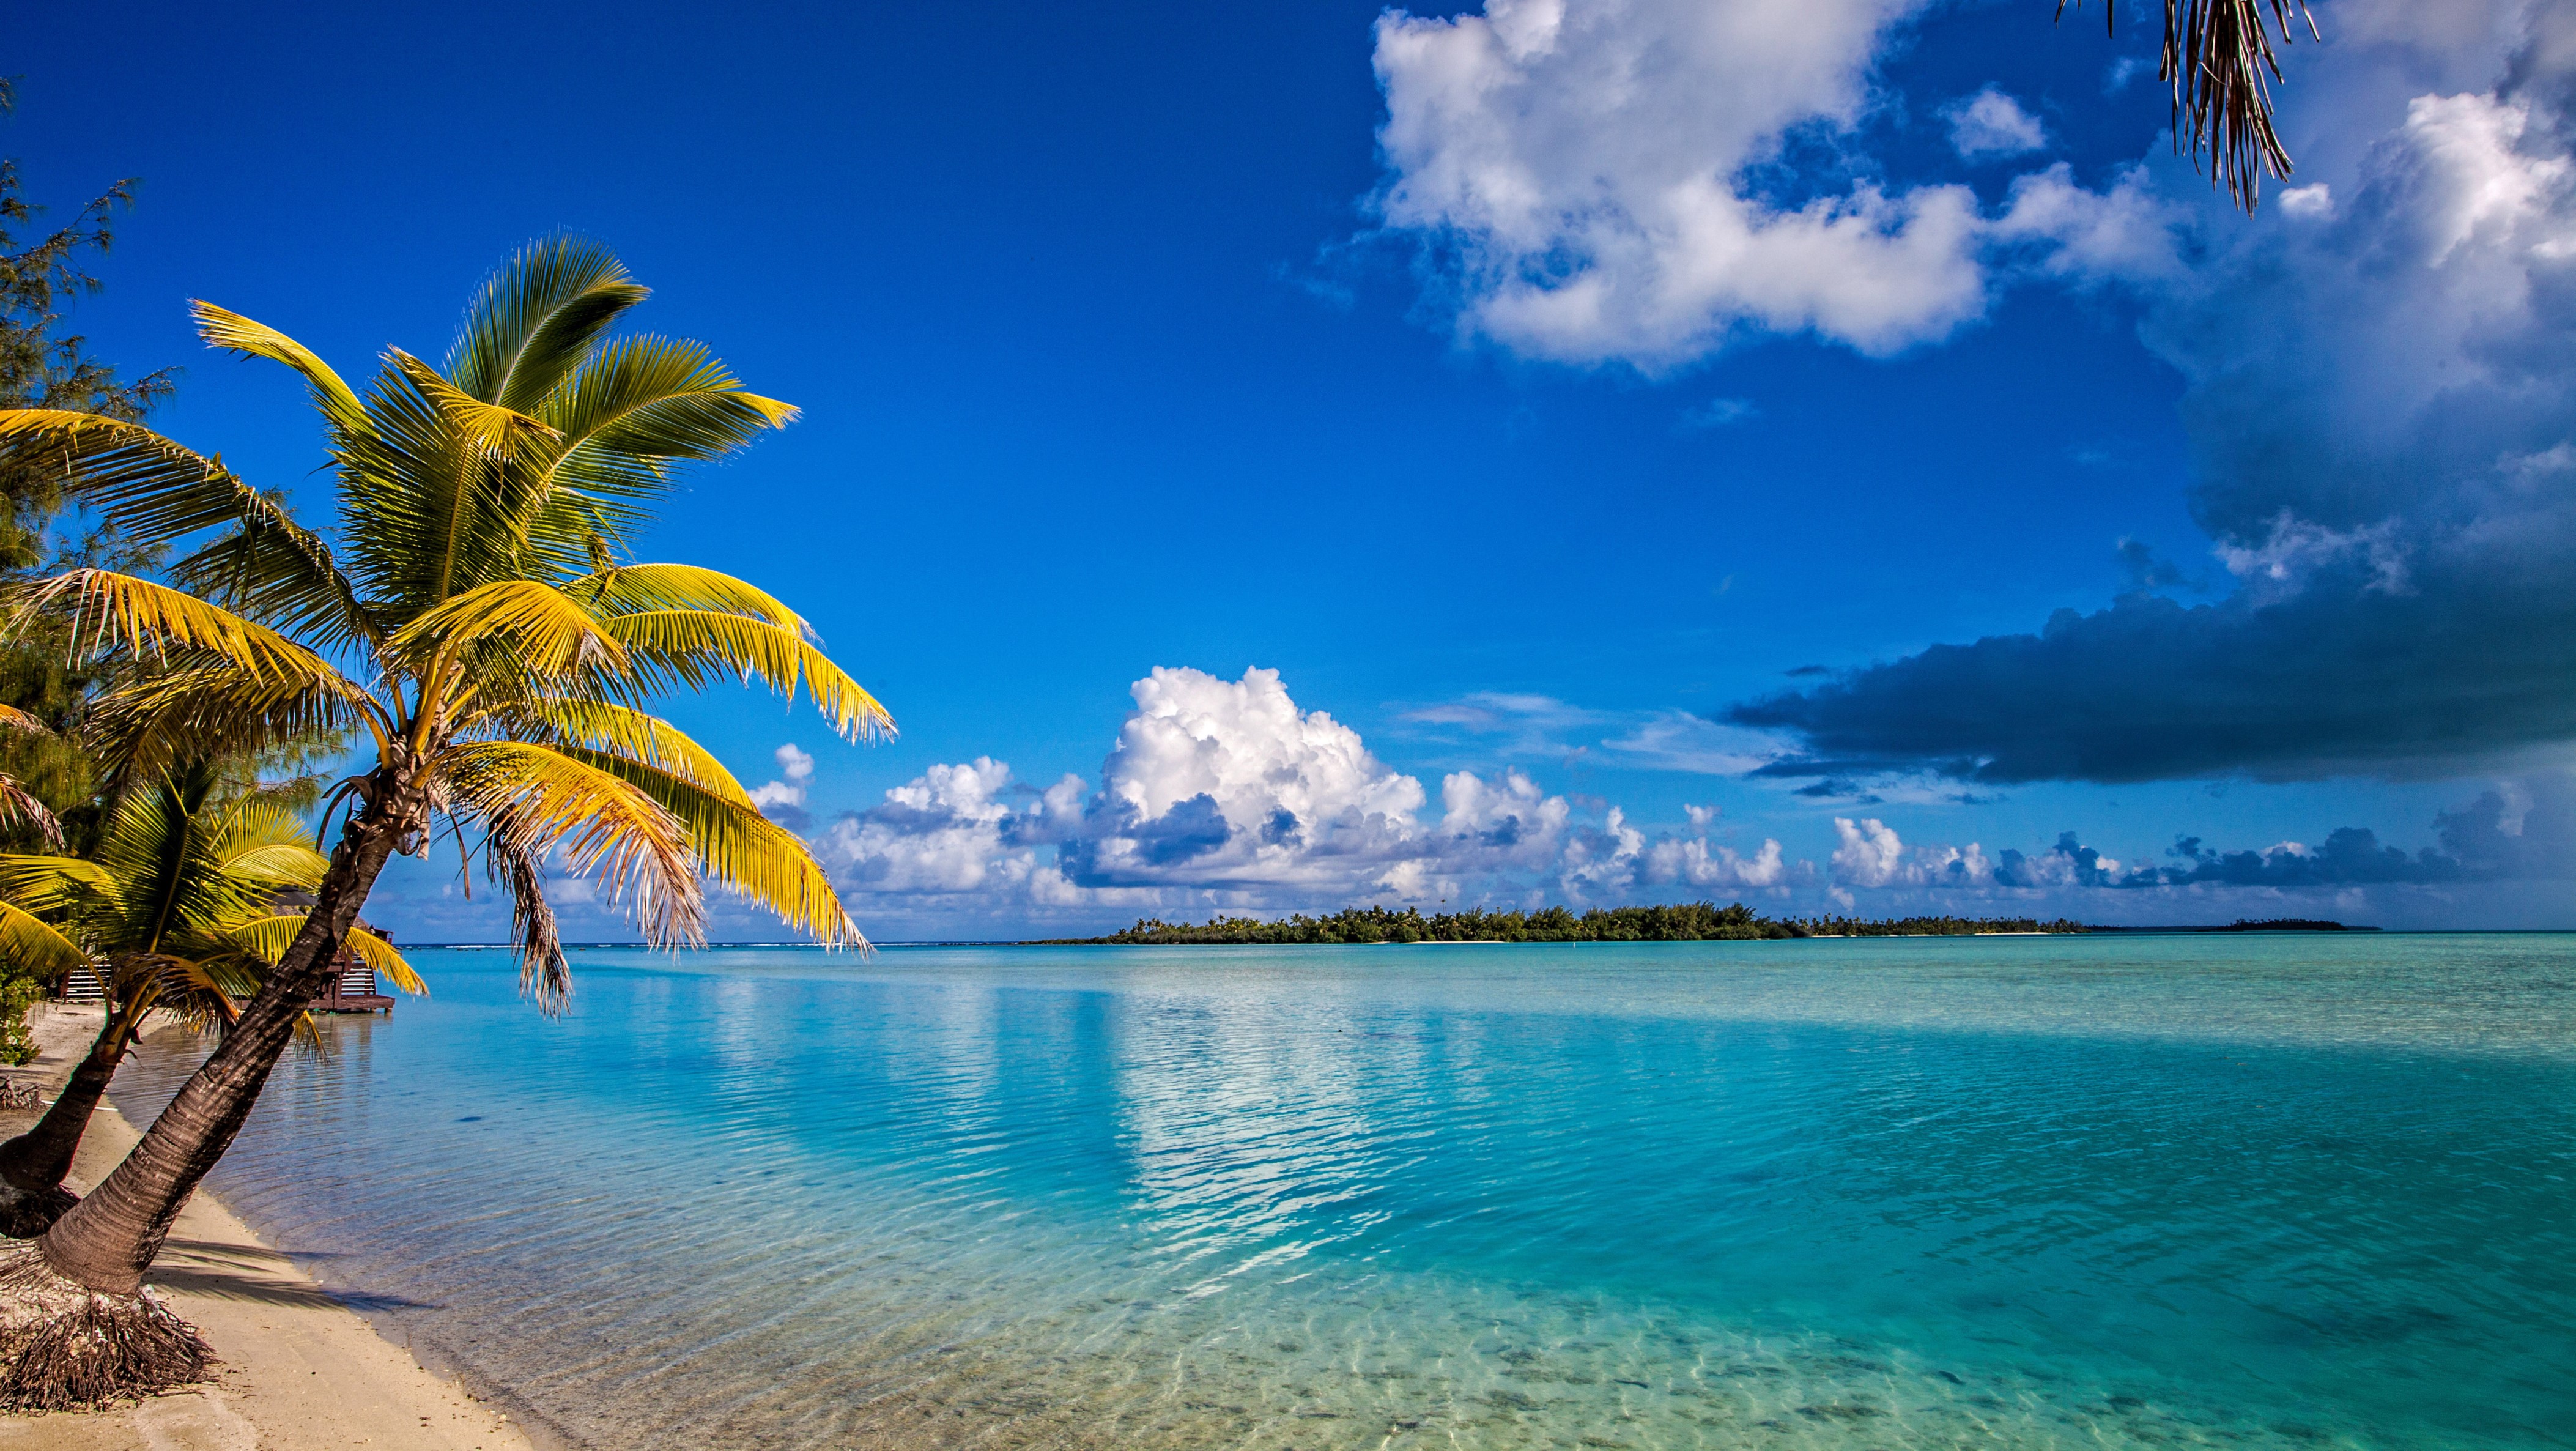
x: 1688, y: 922
x: 2268, y: 924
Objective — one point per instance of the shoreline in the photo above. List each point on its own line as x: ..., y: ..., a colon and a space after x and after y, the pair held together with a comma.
x: 298, y: 1369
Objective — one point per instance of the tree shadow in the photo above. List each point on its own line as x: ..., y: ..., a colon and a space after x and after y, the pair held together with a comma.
x: 256, y: 1276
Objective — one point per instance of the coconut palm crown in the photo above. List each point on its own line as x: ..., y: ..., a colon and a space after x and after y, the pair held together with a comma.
x: 472, y: 618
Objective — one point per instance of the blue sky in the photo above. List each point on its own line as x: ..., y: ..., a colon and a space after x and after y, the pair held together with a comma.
x: 1640, y: 407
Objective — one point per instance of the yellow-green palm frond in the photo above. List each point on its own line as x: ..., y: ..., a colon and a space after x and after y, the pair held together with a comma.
x: 768, y: 864
x: 489, y: 428
x: 51, y: 884
x: 532, y: 321
x: 287, y: 863
x: 114, y: 614
x: 629, y: 588
x: 267, y: 938
x: 637, y: 404
x: 16, y: 719
x: 257, y: 840
x: 271, y: 568
x: 543, y: 630
x: 152, y: 489
x: 696, y: 647
x: 541, y: 800
x: 203, y: 994
x: 34, y: 947
x: 628, y: 733
x: 157, y: 492
x: 656, y: 397
x: 179, y: 715
x: 633, y: 409
x: 390, y: 965
x: 427, y: 510
x: 171, y: 891
x: 237, y: 334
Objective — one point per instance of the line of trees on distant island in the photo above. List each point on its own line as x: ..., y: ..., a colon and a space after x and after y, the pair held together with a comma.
x: 1684, y: 922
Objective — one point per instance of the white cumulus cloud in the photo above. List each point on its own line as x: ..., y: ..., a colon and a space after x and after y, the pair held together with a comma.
x: 1576, y: 168
x: 1226, y: 793
x: 783, y: 797
x: 1991, y: 123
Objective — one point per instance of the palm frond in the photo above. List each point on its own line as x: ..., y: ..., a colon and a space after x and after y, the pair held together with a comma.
x: 635, y: 408
x: 111, y: 614
x: 660, y: 398
x: 51, y: 883
x: 237, y: 334
x: 2215, y: 55
x: 156, y: 492
x: 181, y: 714
x: 694, y: 648
x: 544, y: 975
x: 268, y: 566
x: 35, y: 948
x: 18, y: 805
x: 201, y: 993
x: 544, y: 629
x: 630, y: 734
x: 488, y: 427
x: 429, y: 511
x: 538, y: 800
x: 532, y: 320
x: 151, y: 489
x: 379, y: 954
x: 266, y: 939
x: 745, y: 850
x: 15, y: 719
x: 629, y: 588
x: 286, y: 863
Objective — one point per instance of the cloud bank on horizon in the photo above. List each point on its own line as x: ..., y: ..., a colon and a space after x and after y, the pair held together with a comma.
x: 2379, y: 392
x: 1225, y: 795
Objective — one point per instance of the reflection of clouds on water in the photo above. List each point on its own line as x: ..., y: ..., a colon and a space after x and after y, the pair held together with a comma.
x: 1457, y: 1198
x: 1252, y: 1140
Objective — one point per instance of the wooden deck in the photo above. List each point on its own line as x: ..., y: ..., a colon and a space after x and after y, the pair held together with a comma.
x: 354, y: 990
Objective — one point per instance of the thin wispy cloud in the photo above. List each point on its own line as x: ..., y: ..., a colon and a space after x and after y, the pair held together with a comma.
x: 1717, y: 413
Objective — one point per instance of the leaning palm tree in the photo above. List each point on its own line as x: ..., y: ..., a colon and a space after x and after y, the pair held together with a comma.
x: 2215, y: 55
x: 475, y: 623
x: 176, y: 912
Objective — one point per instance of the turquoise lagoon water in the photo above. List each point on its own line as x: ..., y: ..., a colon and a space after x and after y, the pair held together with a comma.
x: 2288, y: 1191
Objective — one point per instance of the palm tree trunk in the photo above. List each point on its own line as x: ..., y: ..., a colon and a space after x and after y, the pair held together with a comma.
x: 107, y: 1240
x: 37, y: 1160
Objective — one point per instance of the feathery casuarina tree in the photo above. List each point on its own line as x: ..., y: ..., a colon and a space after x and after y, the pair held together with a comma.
x: 175, y: 912
x: 498, y: 656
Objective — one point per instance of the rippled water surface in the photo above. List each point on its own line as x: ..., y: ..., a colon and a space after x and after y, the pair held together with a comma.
x: 2289, y: 1191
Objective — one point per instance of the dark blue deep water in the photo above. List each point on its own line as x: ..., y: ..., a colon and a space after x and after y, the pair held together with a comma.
x: 2098, y: 1192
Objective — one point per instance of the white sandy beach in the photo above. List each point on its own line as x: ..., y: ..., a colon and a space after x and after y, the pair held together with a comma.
x: 299, y: 1370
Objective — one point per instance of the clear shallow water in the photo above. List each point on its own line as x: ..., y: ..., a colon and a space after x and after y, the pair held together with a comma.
x: 2027, y: 1192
